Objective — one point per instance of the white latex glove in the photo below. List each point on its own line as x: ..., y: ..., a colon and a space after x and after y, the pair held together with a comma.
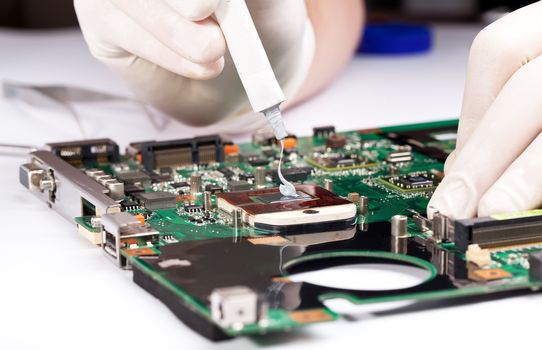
x: 497, y: 164
x: 173, y: 54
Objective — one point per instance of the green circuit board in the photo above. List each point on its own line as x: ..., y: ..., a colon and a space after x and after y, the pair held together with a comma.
x: 189, y: 251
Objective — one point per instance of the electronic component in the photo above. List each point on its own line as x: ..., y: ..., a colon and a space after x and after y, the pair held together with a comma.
x: 195, y: 183
x: 363, y: 205
x: 535, y: 266
x: 179, y: 185
x: 337, y: 162
x: 207, y: 201
x: 521, y: 228
x: 131, y: 190
x: 231, y: 149
x: 290, y: 143
x: 258, y: 161
x: 166, y: 171
x: 428, y: 141
x: 116, y: 188
x: 263, y: 137
x: 260, y: 175
x: 241, y: 185
x: 134, y: 178
x: 442, y: 227
x: 87, y: 152
x: 478, y: 256
x: 353, y: 197
x: 296, y: 174
x: 336, y: 141
x: 314, y: 208
x: 213, y: 188
x: 157, y: 178
x: 227, y: 172
x: 401, y: 155
x: 246, y: 177
x: 178, y: 153
x: 193, y: 208
x: 414, y: 182
x: 119, y: 227
x: 399, y: 226
x: 269, y: 152
x: 79, y: 194
x: 157, y: 200
x: 323, y: 131
x: 128, y: 204
x: 234, y: 306
x: 328, y: 185
x: 486, y: 275
x: 248, y: 156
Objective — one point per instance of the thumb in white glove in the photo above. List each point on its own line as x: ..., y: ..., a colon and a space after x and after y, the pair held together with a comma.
x: 173, y: 54
x: 498, y: 159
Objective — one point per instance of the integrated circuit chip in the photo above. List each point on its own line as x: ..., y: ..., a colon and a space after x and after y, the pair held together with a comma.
x: 236, y: 186
x: 157, y: 200
x: 292, y: 174
x: 420, y: 181
x: 337, y: 162
x: 134, y: 178
x: 267, y: 209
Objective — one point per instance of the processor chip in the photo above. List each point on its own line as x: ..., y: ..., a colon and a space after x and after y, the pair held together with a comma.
x: 416, y: 181
x: 268, y: 210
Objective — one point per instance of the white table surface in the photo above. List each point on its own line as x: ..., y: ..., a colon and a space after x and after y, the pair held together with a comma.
x: 59, y: 292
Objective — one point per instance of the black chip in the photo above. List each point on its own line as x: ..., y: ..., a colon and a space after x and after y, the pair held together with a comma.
x: 245, y: 176
x: 177, y: 185
x: 131, y: 190
x: 323, y: 131
x: 134, y: 178
x: 416, y: 181
x: 128, y: 204
x: 292, y: 174
x: 345, y: 162
x: 157, y: 178
x: 213, y: 188
x: 166, y: 171
x: 258, y: 161
x: 193, y: 208
x: 236, y: 186
x: 227, y: 172
x: 157, y: 200
x: 268, y: 152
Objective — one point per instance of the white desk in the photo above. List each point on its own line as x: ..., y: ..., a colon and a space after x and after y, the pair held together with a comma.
x: 59, y: 292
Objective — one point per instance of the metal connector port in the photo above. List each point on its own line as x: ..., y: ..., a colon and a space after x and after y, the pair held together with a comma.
x: 119, y: 227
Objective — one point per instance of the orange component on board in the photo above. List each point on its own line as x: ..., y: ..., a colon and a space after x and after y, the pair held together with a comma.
x: 290, y: 143
x: 231, y: 149
x: 140, y: 218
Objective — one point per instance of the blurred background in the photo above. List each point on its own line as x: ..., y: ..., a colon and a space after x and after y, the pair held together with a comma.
x: 60, y: 13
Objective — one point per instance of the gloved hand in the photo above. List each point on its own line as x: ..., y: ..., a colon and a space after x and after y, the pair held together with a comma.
x: 497, y: 164
x: 173, y: 54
